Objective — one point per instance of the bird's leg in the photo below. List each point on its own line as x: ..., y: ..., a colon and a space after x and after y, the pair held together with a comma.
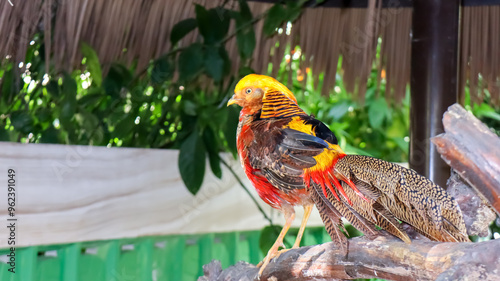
x: 273, y: 252
x: 307, y: 212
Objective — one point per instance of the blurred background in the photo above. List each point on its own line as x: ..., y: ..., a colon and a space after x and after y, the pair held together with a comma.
x: 113, y: 115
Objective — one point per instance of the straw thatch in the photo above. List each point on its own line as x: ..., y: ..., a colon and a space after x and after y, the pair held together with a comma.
x: 134, y: 30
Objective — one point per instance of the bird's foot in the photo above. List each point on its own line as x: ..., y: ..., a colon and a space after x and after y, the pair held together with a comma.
x: 273, y: 253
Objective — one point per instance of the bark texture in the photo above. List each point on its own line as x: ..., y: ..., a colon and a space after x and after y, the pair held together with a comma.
x: 386, y: 258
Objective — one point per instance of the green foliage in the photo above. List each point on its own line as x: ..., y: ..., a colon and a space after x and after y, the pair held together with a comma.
x: 181, y: 29
x: 115, y: 105
x: 93, y: 65
x: 375, y: 128
x: 279, y: 14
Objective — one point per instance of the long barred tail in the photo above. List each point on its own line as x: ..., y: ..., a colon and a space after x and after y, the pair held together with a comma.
x: 395, y: 194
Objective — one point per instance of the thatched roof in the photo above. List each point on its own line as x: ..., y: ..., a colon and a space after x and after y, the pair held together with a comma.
x: 135, y: 30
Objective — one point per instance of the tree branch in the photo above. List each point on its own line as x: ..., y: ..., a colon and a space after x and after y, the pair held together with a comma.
x: 387, y: 258
x: 472, y: 150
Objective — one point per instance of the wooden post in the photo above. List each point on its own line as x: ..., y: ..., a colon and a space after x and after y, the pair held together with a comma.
x: 434, y: 75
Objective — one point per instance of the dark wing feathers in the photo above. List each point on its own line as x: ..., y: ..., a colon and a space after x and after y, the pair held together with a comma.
x: 282, y: 154
x: 321, y: 130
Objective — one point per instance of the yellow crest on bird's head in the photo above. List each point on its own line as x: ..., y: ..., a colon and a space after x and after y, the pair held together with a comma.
x: 264, y: 82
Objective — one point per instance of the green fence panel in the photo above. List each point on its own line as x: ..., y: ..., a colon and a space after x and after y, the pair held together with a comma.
x: 160, y: 258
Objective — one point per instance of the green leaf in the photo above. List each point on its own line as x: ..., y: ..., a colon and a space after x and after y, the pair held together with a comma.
x: 245, y: 37
x: 69, y: 97
x: 212, y: 146
x: 68, y: 86
x: 162, y: 70
x: 181, y: 29
x: 90, y: 100
x: 125, y: 126
x: 377, y: 112
x: 190, y: 107
x: 8, y: 86
x: 93, y: 64
x: 191, y: 162
x: 274, y: 19
x: 190, y: 62
x: 216, y: 62
x: 4, y: 134
x: 339, y: 109
x: 118, y: 77
x: 53, y: 89
x: 44, y: 115
x: 492, y: 115
x: 213, y: 24
x: 230, y: 128
x: 485, y: 110
x: 245, y: 12
x: 51, y: 135
x: 22, y: 121
x: 87, y: 121
x: 401, y: 143
x: 294, y: 9
x: 246, y: 43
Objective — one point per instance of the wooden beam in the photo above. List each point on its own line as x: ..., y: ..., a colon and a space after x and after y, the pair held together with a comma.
x: 434, y: 74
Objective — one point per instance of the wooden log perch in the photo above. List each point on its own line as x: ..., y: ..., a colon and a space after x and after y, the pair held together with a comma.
x: 473, y: 151
x: 386, y: 258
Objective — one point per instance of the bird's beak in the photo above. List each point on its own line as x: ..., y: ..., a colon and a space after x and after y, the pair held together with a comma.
x: 232, y: 100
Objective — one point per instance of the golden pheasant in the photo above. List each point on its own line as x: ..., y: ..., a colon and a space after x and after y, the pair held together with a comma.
x: 293, y: 159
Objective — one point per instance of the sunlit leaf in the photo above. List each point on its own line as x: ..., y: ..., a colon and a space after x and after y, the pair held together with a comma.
x: 93, y: 64
x: 377, y: 112
x: 8, y: 86
x: 339, y: 109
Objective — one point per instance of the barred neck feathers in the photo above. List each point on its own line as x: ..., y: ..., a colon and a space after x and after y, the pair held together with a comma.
x: 276, y: 104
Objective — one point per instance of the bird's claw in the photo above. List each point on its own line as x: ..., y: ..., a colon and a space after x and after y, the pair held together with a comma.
x: 272, y: 254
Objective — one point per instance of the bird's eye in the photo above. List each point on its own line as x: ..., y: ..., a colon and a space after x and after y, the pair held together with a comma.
x: 248, y: 91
